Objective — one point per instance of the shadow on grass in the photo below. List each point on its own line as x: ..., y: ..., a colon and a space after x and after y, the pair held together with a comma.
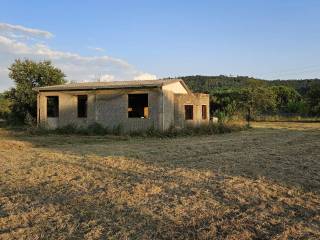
x: 255, y: 184
x: 286, y: 156
x: 100, y: 200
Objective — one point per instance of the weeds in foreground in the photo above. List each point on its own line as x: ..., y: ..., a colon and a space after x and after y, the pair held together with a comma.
x: 98, y: 129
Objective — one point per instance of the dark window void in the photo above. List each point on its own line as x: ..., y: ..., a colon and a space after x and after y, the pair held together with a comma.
x: 188, y: 109
x: 53, y: 106
x: 204, y: 112
x: 82, y: 106
x: 138, y: 106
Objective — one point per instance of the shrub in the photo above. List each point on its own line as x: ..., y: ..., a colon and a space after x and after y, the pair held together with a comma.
x: 67, y: 129
x: 5, y: 107
x: 298, y: 107
x: 29, y: 120
x: 97, y: 129
x: 216, y: 128
x: 117, y: 130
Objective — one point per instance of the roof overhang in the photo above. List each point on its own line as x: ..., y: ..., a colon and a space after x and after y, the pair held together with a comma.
x: 111, y: 85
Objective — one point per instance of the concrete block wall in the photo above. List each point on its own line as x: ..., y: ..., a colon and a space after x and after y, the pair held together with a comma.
x: 195, y: 99
x: 67, y: 110
x: 106, y: 107
x: 110, y: 108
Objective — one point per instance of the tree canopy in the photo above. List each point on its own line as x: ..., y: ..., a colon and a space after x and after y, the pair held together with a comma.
x: 243, y: 95
x: 26, y: 75
x: 5, y: 106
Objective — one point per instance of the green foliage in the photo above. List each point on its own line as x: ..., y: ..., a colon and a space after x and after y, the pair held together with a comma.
x: 29, y: 120
x: 233, y: 97
x: 97, y: 129
x: 239, y: 101
x: 117, y: 130
x: 313, y: 99
x: 298, y: 107
x: 208, y: 83
x: 217, y: 128
x: 67, y: 129
x: 225, y: 102
x: 259, y: 100
x: 26, y: 75
x: 285, y: 96
x: 92, y: 129
x: 5, y: 107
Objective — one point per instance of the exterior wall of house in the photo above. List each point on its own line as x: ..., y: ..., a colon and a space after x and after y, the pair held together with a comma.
x: 67, y: 109
x: 195, y: 99
x: 168, y: 109
x: 110, y: 108
x: 176, y: 87
x: 169, y: 92
x: 106, y: 107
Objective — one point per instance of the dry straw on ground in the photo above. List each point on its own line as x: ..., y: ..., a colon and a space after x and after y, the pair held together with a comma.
x: 263, y: 183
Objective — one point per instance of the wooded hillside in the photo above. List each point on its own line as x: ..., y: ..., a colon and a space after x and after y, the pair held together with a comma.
x: 245, y: 96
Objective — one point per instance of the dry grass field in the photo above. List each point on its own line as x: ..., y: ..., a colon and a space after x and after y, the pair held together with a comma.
x: 263, y: 183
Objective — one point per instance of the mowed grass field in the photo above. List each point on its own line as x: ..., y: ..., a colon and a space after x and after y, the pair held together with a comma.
x: 263, y: 183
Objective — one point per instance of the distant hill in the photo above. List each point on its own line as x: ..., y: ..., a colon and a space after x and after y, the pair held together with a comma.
x: 210, y: 83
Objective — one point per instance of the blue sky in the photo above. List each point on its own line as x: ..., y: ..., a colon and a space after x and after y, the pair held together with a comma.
x: 117, y: 40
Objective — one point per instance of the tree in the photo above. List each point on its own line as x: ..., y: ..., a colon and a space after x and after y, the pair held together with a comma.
x: 258, y: 100
x: 286, y: 96
x: 225, y: 102
x: 28, y: 74
x: 313, y: 99
x: 5, y: 106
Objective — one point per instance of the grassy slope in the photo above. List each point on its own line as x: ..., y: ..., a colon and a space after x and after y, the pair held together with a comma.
x: 261, y: 183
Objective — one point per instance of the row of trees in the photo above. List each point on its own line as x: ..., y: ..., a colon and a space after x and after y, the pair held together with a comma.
x: 275, y: 100
x: 248, y: 97
x: 278, y: 100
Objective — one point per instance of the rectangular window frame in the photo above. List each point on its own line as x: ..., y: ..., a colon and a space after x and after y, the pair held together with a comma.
x: 135, y: 111
x: 188, y: 112
x: 204, y: 112
x: 82, y: 106
x: 53, y: 110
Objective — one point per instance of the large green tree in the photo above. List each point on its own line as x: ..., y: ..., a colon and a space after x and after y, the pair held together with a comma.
x: 285, y: 96
x: 258, y: 100
x: 26, y: 75
x: 5, y: 106
x: 313, y: 99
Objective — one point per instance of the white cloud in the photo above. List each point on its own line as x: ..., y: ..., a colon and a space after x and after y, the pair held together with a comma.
x: 106, y: 78
x: 77, y: 67
x: 98, y: 49
x: 9, y: 28
x: 12, y: 46
x: 145, y: 76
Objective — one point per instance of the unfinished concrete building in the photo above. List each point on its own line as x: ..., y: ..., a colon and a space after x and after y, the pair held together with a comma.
x: 131, y: 105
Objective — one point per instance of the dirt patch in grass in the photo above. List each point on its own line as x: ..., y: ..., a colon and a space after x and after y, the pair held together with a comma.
x: 258, y: 184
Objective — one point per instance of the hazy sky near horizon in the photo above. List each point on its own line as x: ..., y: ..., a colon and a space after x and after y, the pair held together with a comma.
x: 122, y: 40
